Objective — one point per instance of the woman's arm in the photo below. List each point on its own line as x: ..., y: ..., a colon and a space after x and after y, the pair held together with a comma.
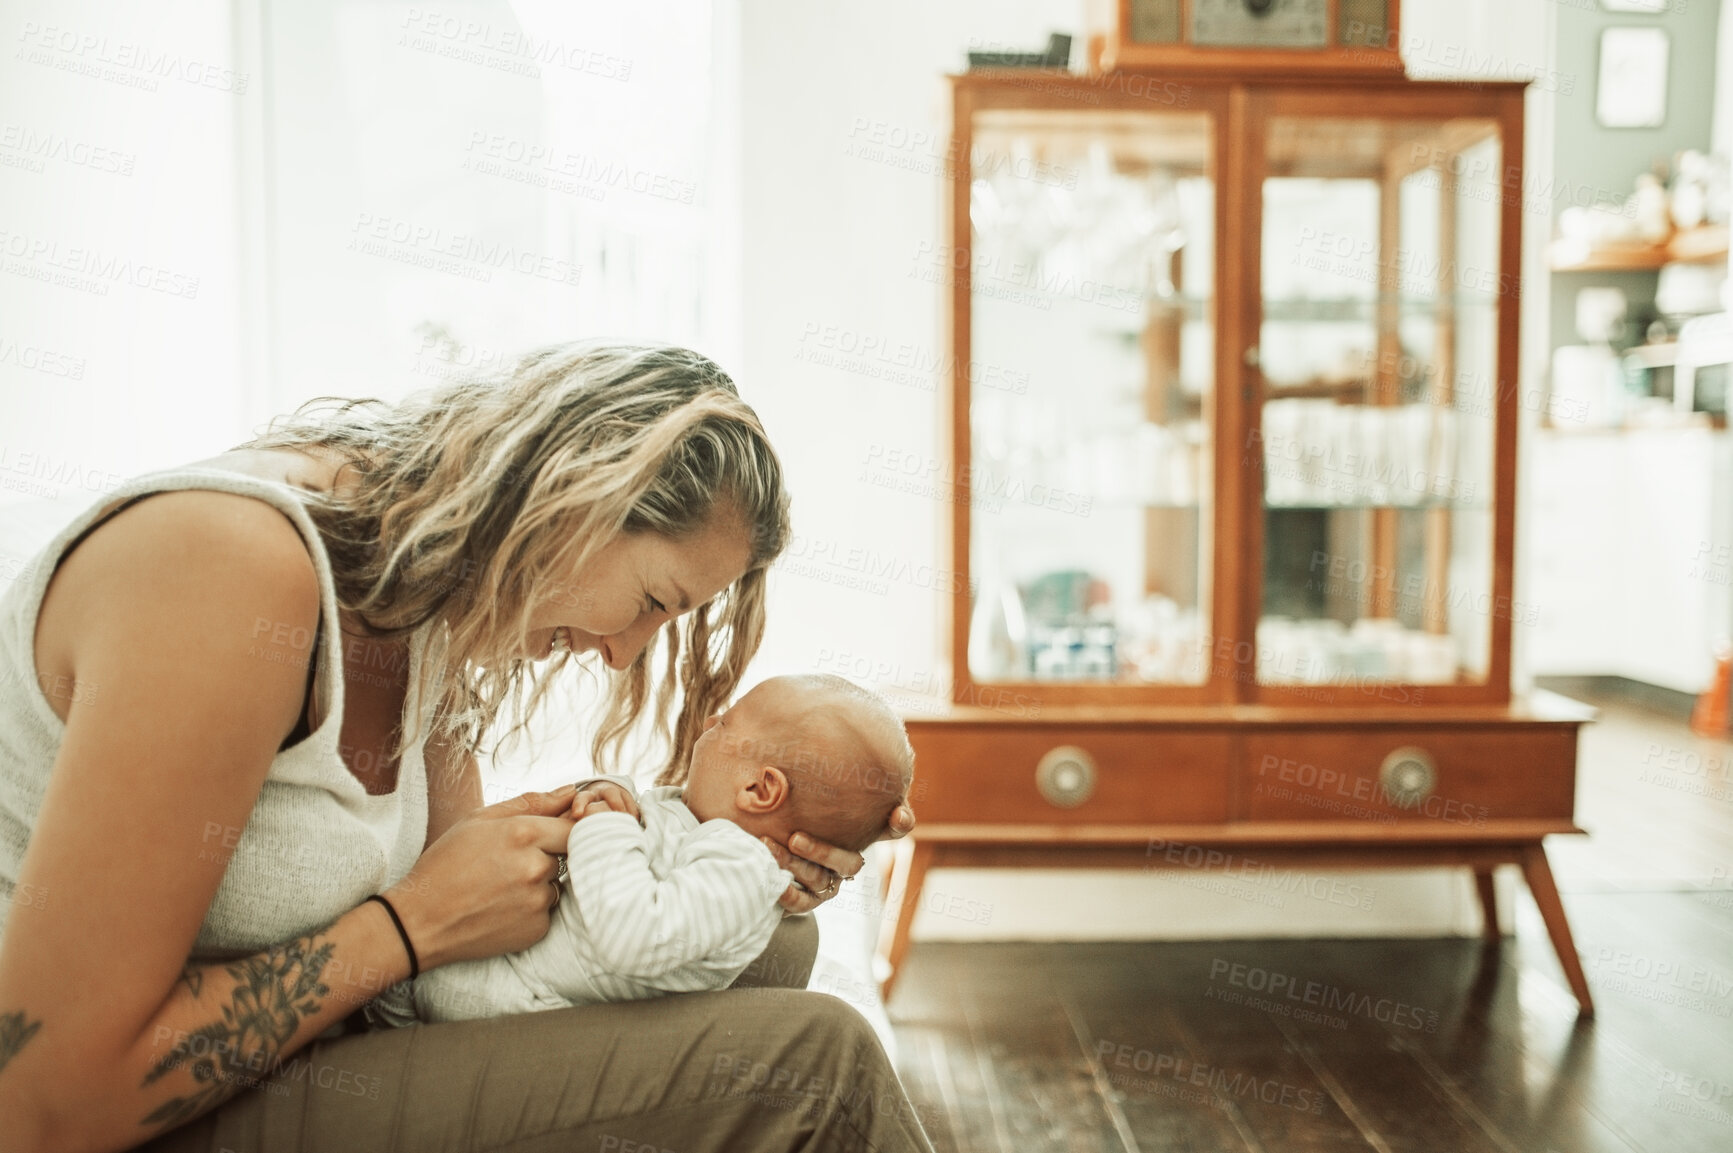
x: 453, y: 783
x: 113, y: 1036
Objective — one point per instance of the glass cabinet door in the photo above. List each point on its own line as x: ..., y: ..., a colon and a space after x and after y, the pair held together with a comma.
x: 1091, y: 383
x: 1377, y: 349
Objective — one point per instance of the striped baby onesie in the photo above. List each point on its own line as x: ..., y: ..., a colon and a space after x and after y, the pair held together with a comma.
x: 672, y: 906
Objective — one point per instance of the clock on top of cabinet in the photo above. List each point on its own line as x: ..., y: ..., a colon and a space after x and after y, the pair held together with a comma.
x: 1232, y: 408
x: 1339, y: 37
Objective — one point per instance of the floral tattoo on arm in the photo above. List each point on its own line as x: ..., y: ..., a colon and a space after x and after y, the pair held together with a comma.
x: 272, y: 994
x: 15, y: 1033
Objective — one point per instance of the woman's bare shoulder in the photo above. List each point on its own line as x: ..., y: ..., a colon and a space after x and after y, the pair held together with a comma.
x: 308, y: 467
x: 188, y: 573
x: 245, y: 538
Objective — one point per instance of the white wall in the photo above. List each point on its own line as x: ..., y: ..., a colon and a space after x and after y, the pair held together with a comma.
x: 1721, y: 131
x: 830, y: 241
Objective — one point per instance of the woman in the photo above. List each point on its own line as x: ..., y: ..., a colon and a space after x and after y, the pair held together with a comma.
x: 238, y: 793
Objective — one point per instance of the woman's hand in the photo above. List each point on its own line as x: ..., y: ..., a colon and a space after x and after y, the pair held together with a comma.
x: 486, y: 886
x: 819, y: 867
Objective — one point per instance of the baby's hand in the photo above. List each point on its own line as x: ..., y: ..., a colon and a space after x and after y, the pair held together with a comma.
x: 603, y: 797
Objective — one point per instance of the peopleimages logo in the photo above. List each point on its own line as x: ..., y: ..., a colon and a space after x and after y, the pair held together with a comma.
x: 37, y: 147
x: 461, y: 254
x: 1288, y: 995
x: 59, y: 472
x: 1223, y: 1083
x: 898, y: 361
x: 120, y: 61
x: 506, y: 48
x: 888, y: 466
x: 39, y: 359
x: 89, y: 269
x: 1030, y: 277
x: 1255, y: 873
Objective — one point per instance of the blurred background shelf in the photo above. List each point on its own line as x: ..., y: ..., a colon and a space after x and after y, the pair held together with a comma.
x: 1702, y: 245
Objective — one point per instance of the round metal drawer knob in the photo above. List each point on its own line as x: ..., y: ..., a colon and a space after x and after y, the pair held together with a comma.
x: 1066, y: 776
x: 1408, y: 776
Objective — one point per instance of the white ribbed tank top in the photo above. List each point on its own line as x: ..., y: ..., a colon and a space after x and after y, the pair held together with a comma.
x: 316, y: 843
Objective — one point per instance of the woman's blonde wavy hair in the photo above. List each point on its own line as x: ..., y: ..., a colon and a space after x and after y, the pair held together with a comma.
x: 477, y: 496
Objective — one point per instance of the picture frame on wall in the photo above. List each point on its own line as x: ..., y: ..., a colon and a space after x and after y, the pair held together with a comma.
x: 1631, y: 87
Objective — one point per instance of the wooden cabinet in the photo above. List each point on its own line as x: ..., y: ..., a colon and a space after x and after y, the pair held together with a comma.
x: 1463, y: 778
x: 1233, y: 417
x: 992, y: 775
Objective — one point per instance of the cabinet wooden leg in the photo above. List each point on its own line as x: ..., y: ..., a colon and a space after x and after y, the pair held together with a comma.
x: 1488, y: 903
x: 912, y: 862
x: 1538, y: 874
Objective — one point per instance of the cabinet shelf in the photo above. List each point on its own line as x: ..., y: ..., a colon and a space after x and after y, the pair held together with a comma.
x: 1374, y: 506
x: 1705, y: 244
x: 1177, y: 506
x: 1316, y: 388
x: 1325, y: 309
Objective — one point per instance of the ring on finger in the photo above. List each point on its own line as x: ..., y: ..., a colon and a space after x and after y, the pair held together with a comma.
x: 560, y: 870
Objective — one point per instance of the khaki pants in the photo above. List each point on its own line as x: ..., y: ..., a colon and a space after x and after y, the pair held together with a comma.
x: 747, y: 1070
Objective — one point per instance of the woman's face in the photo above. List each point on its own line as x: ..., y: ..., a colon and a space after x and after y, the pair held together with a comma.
x: 634, y: 585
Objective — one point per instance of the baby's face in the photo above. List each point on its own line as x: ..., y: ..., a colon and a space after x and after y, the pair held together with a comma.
x: 726, y: 755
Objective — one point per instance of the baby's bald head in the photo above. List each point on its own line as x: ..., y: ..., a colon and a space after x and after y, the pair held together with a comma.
x: 842, y: 750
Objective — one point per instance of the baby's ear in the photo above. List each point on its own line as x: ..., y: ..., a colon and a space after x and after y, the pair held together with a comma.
x: 765, y: 791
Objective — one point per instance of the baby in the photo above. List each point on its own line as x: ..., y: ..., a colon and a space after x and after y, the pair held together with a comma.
x: 687, y: 900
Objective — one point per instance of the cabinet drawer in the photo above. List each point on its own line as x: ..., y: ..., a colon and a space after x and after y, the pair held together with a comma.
x: 987, y: 775
x: 1464, y: 777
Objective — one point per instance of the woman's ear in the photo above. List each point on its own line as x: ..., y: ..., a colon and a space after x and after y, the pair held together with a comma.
x: 764, y: 791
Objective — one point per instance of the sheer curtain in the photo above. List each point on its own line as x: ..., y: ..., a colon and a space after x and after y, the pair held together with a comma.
x: 442, y: 188
x: 215, y: 210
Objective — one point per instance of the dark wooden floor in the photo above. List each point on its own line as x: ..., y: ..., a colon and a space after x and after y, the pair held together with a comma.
x: 1402, y: 1045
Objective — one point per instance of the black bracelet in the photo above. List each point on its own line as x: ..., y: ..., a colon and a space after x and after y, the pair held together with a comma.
x: 414, y: 963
